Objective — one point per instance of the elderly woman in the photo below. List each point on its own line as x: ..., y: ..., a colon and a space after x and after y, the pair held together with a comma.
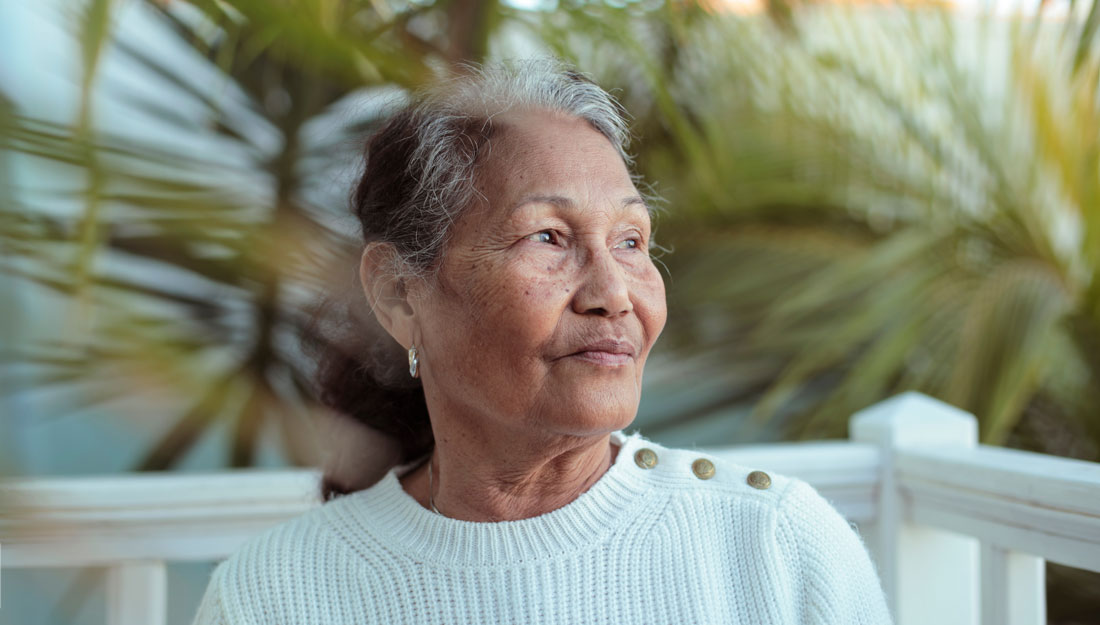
x: 506, y: 251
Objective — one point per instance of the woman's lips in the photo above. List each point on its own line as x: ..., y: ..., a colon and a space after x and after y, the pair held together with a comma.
x: 608, y: 352
x: 606, y: 359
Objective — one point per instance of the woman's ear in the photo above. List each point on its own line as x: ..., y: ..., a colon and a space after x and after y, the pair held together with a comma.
x: 381, y: 278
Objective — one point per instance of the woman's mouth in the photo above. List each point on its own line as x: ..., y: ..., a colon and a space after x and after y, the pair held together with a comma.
x: 606, y: 352
x: 607, y: 359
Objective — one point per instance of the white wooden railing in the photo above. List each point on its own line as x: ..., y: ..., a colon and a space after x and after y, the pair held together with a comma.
x: 958, y: 531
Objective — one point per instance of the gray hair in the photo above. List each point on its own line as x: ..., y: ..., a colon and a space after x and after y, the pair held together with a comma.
x: 445, y: 130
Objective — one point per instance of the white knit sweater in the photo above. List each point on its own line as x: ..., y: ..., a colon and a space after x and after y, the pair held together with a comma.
x: 654, y: 545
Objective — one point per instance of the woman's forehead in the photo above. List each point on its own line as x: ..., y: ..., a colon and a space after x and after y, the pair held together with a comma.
x: 537, y: 132
x: 561, y: 159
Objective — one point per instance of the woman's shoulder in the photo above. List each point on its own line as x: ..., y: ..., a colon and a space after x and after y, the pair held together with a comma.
x: 307, y: 537
x: 826, y: 555
x: 721, y: 478
x: 292, y: 556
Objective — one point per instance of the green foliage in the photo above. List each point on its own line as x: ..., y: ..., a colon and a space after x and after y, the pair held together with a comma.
x: 862, y: 201
x: 871, y: 200
x: 234, y: 241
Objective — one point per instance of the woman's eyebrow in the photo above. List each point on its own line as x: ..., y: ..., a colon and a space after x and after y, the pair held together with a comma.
x: 636, y: 200
x: 557, y: 200
x: 563, y: 202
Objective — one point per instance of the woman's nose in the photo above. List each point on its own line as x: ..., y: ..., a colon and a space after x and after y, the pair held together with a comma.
x: 603, y: 290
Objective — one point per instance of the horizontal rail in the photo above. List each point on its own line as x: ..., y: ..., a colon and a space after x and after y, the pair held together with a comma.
x: 90, y: 521
x: 1020, y: 501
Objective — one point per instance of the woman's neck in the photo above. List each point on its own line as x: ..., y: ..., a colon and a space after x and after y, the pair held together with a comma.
x: 507, y: 480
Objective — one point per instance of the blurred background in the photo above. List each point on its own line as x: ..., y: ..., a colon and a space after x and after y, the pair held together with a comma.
x: 861, y: 198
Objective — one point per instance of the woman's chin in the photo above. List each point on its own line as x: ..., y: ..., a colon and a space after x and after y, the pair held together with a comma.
x: 591, y: 410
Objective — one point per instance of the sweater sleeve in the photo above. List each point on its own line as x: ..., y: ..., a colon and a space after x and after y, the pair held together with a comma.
x: 211, y: 609
x: 835, y: 582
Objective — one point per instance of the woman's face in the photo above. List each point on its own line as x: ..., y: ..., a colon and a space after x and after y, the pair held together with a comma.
x: 547, y: 301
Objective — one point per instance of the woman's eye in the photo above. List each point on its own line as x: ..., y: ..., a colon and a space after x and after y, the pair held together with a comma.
x: 544, y: 236
x: 629, y: 244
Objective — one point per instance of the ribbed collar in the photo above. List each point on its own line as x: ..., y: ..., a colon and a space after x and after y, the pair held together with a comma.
x: 401, y: 524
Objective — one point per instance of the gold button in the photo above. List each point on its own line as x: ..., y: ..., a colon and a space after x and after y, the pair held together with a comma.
x: 703, y: 469
x: 759, y: 479
x: 646, y: 458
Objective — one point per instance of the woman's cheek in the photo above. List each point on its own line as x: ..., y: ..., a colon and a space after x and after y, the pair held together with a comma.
x: 543, y: 272
x: 652, y: 294
x: 544, y: 293
x: 517, y: 295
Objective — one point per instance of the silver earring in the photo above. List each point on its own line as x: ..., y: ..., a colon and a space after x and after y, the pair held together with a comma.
x: 414, y: 362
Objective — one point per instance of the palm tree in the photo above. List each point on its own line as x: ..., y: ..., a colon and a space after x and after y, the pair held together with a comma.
x: 252, y: 111
x: 867, y: 201
x: 856, y: 212
x: 861, y: 201
x: 224, y: 205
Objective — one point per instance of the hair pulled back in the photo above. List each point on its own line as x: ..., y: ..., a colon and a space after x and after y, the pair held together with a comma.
x: 418, y: 175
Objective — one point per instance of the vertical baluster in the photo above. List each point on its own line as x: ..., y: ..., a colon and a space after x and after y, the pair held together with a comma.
x: 137, y: 593
x: 917, y: 563
x: 1013, y: 587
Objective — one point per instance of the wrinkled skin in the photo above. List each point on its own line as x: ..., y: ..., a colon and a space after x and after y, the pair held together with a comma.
x: 534, y: 335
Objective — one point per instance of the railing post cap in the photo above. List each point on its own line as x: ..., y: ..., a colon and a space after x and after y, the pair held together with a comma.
x: 914, y: 418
